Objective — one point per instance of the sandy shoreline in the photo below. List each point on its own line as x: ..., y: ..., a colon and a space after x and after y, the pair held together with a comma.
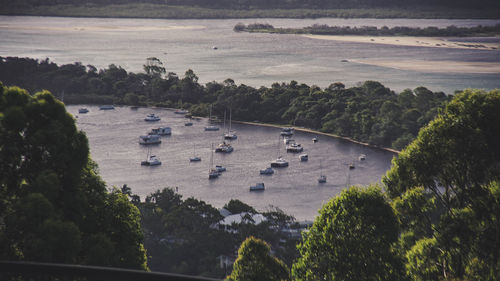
x: 319, y: 133
x: 434, y: 42
x: 435, y: 66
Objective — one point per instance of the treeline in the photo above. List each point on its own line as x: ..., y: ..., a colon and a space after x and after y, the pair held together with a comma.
x: 276, y: 4
x: 185, y: 235
x: 368, y: 112
x: 323, y: 29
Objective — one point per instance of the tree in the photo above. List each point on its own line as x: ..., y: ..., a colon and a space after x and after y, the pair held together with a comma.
x: 54, y: 207
x: 448, y: 178
x: 254, y: 262
x: 154, y: 67
x: 235, y: 206
x: 351, y: 239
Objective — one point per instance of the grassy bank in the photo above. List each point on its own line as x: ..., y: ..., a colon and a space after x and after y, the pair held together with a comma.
x: 188, y: 12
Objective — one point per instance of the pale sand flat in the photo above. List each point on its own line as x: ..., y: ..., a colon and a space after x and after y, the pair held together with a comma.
x: 435, y: 42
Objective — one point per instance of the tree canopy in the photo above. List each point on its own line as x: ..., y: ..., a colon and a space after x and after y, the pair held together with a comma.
x: 444, y: 187
x: 351, y: 239
x: 54, y: 206
x: 255, y: 262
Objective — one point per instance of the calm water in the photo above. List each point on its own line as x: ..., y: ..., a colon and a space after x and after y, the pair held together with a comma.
x: 252, y: 59
x: 113, y: 137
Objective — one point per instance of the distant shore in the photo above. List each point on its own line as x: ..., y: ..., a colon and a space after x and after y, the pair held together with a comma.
x: 318, y: 133
x: 162, y: 11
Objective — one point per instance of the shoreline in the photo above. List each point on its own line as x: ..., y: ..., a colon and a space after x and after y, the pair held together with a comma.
x: 305, y: 130
x: 410, y: 41
x: 435, y: 66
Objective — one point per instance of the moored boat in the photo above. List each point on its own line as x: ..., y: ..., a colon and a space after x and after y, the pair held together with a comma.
x: 149, y: 139
x: 287, y: 131
x: 83, y: 110
x: 267, y: 171
x: 304, y: 157
x: 224, y: 147
x: 257, y: 187
x: 162, y: 131
x: 106, y: 107
x: 211, y: 128
x: 294, y: 147
x: 279, y: 163
x: 151, y: 161
x: 152, y: 117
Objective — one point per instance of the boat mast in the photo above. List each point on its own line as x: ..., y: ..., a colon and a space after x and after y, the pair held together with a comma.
x: 211, y: 158
x: 224, y: 129
x: 229, y: 131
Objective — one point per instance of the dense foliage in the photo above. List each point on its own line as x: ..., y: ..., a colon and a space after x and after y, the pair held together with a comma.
x: 445, y: 189
x: 368, y: 112
x: 256, y: 263
x: 351, y: 239
x: 53, y: 205
x: 287, y: 4
x: 184, y: 236
x: 151, y: 10
x: 323, y: 29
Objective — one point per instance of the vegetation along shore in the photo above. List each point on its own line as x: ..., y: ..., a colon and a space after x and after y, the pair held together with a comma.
x: 323, y: 29
x: 368, y: 113
x: 124, y: 9
x: 435, y: 218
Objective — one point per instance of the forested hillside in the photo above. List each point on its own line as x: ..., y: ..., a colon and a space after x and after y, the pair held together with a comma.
x: 368, y: 112
x: 279, y: 3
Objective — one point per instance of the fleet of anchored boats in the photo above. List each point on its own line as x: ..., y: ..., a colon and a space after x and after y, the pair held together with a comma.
x: 154, y: 137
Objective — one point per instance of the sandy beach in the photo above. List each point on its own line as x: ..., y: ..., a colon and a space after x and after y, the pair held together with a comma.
x: 435, y: 66
x: 434, y: 42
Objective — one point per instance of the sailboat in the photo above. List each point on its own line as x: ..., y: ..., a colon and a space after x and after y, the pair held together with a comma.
x: 151, y: 160
x: 212, y: 172
x: 211, y: 127
x: 279, y: 162
x: 322, y: 178
x: 195, y: 158
x: 224, y: 147
x: 230, y: 135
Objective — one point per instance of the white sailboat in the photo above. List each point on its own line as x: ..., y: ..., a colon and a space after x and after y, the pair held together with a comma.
x: 279, y: 162
x: 230, y: 135
x: 151, y: 160
x: 212, y: 172
x: 195, y: 157
x: 211, y: 127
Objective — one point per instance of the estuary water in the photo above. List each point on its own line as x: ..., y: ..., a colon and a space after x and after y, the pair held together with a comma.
x: 113, y: 136
x: 248, y: 58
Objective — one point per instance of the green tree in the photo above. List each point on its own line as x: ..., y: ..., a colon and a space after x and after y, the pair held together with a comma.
x: 444, y: 185
x: 255, y: 262
x: 351, y: 239
x: 53, y: 205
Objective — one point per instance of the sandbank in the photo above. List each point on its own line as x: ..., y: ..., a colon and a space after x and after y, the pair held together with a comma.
x: 434, y: 42
x: 436, y: 66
